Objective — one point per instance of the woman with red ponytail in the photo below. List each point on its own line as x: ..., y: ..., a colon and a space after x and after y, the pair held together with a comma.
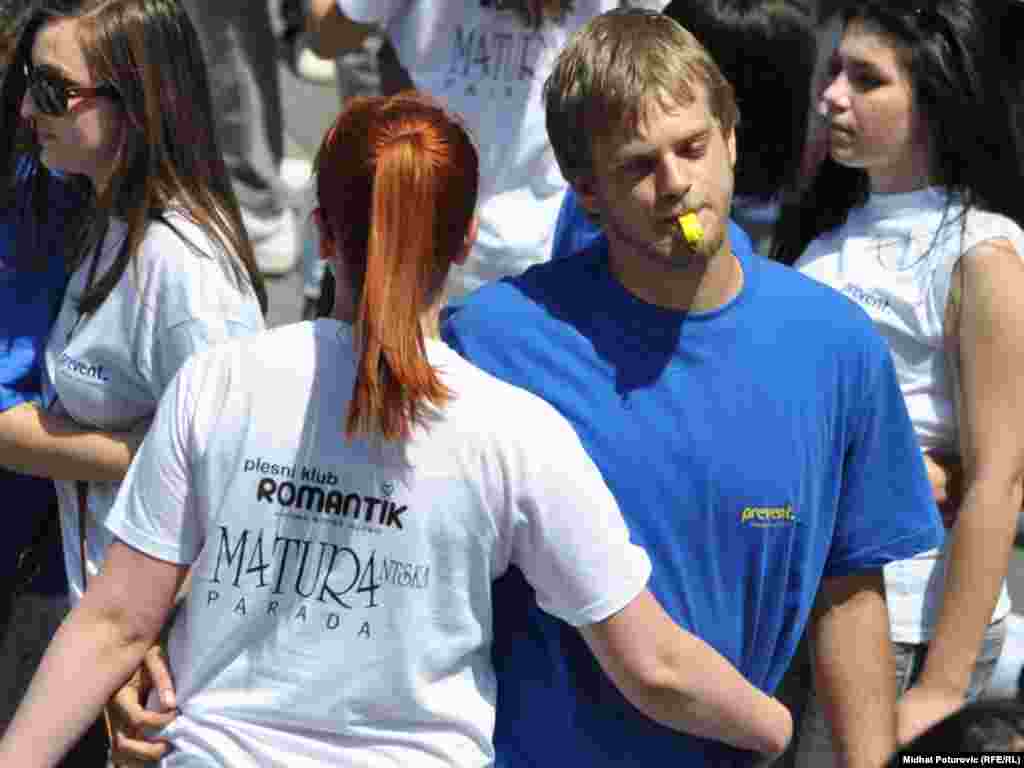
x: 397, y: 185
x: 346, y: 491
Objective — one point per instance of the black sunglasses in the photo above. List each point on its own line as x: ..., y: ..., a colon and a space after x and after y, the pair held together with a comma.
x: 50, y: 93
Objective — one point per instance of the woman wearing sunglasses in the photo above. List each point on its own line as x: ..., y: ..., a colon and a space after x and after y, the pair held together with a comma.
x: 35, y: 208
x: 113, y: 95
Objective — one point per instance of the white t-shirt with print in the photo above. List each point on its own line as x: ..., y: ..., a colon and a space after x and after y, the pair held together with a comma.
x: 489, y: 68
x: 895, y: 257
x: 340, y: 611
x: 108, y: 369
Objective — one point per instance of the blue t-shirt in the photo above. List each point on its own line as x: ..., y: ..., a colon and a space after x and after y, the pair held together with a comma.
x: 753, y: 450
x: 30, y: 295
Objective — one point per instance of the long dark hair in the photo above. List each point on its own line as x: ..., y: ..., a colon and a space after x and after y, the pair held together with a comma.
x: 396, y: 180
x: 766, y: 49
x: 26, y: 186
x: 952, y: 52
x: 148, y: 50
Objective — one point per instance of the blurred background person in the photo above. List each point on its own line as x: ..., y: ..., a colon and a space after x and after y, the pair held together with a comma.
x: 486, y: 61
x: 241, y: 54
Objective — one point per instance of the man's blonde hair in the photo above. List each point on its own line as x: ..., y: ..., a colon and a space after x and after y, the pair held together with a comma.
x: 610, y: 69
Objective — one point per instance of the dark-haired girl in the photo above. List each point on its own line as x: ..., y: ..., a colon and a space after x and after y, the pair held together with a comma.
x: 915, y: 217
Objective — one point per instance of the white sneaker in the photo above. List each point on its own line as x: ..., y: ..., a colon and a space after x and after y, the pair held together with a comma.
x: 274, y: 241
x: 311, y: 67
x: 296, y: 174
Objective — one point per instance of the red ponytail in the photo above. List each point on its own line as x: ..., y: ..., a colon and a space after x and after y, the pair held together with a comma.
x: 397, y: 185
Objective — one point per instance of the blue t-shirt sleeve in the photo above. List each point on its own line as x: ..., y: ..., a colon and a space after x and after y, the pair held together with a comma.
x: 886, y: 508
x: 29, y: 294
x: 27, y: 304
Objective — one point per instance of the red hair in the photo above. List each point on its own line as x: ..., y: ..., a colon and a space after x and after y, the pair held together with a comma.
x: 397, y: 186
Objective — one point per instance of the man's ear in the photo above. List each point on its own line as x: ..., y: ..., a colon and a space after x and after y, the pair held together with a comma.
x: 585, y: 187
x: 328, y: 245
x: 467, y: 242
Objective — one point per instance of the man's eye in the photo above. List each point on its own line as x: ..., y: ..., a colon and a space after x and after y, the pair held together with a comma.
x: 639, y: 166
x: 694, y: 151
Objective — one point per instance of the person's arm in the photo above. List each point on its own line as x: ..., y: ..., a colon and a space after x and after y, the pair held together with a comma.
x: 683, y: 683
x: 331, y: 32
x: 94, y: 652
x: 990, y: 341
x: 131, y: 723
x: 853, y: 667
x: 34, y: 441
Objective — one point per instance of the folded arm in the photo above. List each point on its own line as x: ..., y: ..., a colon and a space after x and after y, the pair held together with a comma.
x: 34, y: 441
x: 683, y: 683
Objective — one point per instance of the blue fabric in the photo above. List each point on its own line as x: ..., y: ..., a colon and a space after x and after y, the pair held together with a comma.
x: 29, y: 298
x: 754, y: 450
x: 574, y: 232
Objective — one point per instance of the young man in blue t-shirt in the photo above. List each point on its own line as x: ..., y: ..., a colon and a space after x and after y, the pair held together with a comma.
x: 748, y: 420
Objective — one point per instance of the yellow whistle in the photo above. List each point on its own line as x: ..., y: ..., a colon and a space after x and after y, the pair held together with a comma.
x: 692, y: 230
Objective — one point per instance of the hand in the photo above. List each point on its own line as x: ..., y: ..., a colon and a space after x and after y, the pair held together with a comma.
x: 945, y: 474
x: 129, y: 718
x: 920, y: 708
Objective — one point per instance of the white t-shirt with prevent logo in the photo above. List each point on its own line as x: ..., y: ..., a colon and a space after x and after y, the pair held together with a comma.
x: 340, y: 611
x: 108, y: 369
x: 487, y: 66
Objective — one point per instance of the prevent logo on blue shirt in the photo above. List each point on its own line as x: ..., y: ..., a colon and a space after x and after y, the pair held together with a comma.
x: 768, y: 517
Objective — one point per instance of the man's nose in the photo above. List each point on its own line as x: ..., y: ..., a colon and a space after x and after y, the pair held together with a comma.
x: 674, y: 177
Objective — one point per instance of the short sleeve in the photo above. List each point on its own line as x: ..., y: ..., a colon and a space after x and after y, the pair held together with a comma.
x: 178, y: 343
x: 981, y: 226
x: 156, y: 508
x: 28, y: 303
x: 568, y: 536
x: 192, y: 300
x: 886, y: 508
x: 984, y: 225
